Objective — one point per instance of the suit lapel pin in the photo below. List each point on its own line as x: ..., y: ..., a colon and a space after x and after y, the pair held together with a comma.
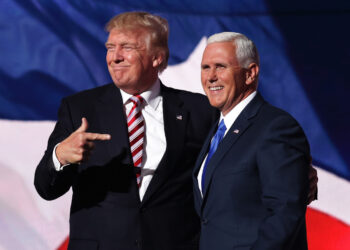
x: 236, y: 131
x: 179, y: 117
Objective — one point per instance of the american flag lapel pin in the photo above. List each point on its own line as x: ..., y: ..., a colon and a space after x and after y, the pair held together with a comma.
x: 236, y: 131
x: 179, y: 117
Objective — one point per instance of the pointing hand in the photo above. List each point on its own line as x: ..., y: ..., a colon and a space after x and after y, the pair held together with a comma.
x: 78, y: 146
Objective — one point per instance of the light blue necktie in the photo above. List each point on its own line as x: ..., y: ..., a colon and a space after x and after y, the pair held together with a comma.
x: 213, y: 146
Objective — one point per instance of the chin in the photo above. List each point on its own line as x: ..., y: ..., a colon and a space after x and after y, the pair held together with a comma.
x: 214, y: 104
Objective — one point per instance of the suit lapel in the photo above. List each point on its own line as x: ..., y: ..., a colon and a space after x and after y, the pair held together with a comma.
x: 175, y: 122
x: 111, y: 116
x: 242, y: 123
x: 201, y: 157
x: 204, y: 149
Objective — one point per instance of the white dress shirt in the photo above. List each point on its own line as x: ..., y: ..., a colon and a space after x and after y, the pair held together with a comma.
x: 154, y: 142
x: 229, y: 119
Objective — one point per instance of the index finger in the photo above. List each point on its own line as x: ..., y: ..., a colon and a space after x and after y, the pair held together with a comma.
x: 97, y: 137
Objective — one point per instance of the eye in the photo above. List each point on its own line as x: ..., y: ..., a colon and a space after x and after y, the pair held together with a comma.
x: 220, y: 66
x: 110, y: 48
x: 128, y: 47
x: 205, y: 66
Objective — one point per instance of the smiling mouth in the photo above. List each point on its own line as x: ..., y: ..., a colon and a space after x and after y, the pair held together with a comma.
x: 119, y: 67
x: 216, y: 88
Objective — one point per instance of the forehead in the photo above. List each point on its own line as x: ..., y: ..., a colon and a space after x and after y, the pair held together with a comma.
x: 135, y: 35
x: 220, y: 52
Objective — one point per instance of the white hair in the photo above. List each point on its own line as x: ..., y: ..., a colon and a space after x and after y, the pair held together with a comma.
x: 246, y: 52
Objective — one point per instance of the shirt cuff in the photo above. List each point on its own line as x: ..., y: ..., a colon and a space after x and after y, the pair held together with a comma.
x: 56, y: 162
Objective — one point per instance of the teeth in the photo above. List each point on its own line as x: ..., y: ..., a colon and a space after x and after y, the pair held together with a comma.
x: 216, y: 88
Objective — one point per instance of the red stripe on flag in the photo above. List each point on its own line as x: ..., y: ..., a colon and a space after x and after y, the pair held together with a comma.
x: 324, y: 232
x: 64, y: 245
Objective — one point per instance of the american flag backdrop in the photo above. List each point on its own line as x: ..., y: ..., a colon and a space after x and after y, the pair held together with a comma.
x: 51, y: 49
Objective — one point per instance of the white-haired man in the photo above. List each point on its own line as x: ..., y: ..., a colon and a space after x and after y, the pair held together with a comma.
x: 251, y: 176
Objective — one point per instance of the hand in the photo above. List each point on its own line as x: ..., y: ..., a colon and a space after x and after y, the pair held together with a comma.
x: 313, y: 179
x: 78, y: 146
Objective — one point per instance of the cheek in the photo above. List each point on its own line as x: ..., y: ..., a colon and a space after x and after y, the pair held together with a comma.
x: 145, y: 60
x: 133, y: 56
x: 127, y: 57
x: 202, y: 79
x: 109, y: 58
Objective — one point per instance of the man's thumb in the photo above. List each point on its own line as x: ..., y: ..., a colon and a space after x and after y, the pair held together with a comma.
x: 84, y: 125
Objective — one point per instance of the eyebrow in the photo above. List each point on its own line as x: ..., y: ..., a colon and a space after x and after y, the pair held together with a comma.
x: 109, y: 44
x: 122, y: 44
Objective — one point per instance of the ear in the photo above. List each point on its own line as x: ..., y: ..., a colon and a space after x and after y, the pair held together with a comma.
x: 157, y: 59
x: 252, y: 73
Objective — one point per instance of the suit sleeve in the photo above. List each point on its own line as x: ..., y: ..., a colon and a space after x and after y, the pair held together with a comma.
x: 49, y: 183
x: 282, y: 159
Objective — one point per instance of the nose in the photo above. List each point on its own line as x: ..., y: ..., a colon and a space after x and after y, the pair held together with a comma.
x: 116, y: 55
x: 212, y: 76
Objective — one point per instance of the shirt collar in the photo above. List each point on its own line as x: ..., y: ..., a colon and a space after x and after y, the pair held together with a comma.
x: 231, y: 116
x: 150, y: 96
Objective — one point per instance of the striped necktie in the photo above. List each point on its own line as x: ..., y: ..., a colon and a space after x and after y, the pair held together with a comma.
x: 136, y: 128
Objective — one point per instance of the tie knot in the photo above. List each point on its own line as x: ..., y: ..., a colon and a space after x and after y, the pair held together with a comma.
x: 136, y: 99
x: 222, y: 127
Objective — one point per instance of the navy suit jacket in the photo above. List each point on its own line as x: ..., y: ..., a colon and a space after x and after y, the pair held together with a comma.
x: 106, y: 211
x: 256, y: 184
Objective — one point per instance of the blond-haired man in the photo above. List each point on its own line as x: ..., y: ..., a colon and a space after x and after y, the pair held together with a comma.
x: 134, y: 191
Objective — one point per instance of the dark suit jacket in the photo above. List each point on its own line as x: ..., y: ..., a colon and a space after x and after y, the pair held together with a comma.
x: 256, y: 183
x: 106, y: 211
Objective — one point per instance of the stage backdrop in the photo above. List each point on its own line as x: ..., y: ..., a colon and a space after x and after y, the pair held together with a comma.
x: 51, y: 49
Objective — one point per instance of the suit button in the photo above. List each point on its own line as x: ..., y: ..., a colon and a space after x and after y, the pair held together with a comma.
x: 138, y: 243
x: 143, y: 209
x: 204, y: 221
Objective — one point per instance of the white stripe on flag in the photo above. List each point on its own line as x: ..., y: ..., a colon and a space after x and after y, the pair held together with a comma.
x: 25, y: 218
x: 333, y: 196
